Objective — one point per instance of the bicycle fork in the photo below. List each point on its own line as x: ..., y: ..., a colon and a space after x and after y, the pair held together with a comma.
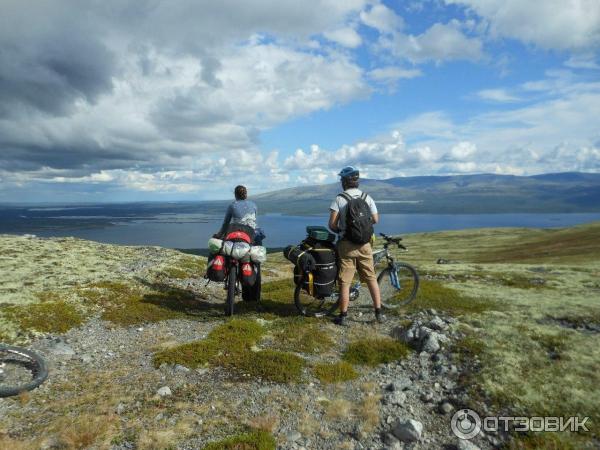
x: 394, y: 277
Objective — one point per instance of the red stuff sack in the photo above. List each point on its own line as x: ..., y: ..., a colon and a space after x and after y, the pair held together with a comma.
x: 216, y: 270
x: 248, y: 274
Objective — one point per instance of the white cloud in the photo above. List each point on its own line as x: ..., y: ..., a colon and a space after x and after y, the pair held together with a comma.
x: 393, y: 73
x: 463, y: 150
x: 381, y: 18
x: 583, y: 61
x: 497, y: 95
x: 550, y: 24
x: 347, y: 37
x: 439, y: 43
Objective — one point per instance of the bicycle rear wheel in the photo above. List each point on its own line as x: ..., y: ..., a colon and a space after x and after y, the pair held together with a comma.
x: 20, y: 370
x: 394, y: 295
x: 310, y: 306
x: 231, y: 282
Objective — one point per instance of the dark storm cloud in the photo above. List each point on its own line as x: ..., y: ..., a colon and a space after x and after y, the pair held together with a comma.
x: 47, y: 68
x: 90, y: 85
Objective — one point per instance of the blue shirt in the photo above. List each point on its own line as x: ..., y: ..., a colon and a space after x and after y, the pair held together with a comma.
x: 241, y: 212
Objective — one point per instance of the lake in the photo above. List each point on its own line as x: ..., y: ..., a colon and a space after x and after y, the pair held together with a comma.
x: 193, y: 230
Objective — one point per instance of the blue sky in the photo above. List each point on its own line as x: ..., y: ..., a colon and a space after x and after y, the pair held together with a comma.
x: 146, y: 100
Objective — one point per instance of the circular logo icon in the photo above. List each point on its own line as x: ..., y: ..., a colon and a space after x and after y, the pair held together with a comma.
x: 466, y: 424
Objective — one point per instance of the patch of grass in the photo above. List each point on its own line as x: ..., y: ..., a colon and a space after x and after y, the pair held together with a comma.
x: 549, y: 441
x: 301, y: 335
x: 126, y: 304
x: 270, y: 365
x: 47, y: 317
x: 374, y: 351
x: 521, y: 281
x: 237, y: 334
x: 48, y: 296
x: 580, y: 243
x: 335, y: 373
x: 253, y: 440
x: 576, y: 320
x: 186, y: 267
x: 227, y: 343
x: 231, y: 345
x: 434, y: 294
x: 194, y: 354
x: 277, y: 297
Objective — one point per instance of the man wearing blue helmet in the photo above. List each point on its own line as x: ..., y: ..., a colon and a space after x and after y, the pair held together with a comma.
x: 352, y: 215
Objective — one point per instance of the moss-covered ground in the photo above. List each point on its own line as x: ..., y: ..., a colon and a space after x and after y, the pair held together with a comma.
x: 528, y: 302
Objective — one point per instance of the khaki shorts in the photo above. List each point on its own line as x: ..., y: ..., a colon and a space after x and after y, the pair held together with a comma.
x: 353, y: 257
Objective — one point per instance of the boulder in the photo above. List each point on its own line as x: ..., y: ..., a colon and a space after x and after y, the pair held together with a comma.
x: 408, y: 430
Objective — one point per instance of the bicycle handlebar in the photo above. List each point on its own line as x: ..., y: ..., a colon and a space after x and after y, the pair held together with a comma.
x: 393, y: 240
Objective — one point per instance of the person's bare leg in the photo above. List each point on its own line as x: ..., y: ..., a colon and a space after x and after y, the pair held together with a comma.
x: 344, y: 297
x: 375, y: 294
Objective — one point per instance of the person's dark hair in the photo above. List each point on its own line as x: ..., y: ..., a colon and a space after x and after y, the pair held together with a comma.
x: 350, y: 182
x: 240, y: 192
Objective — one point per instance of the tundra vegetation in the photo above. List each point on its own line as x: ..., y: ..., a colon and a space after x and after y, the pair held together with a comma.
x: 527, y: 302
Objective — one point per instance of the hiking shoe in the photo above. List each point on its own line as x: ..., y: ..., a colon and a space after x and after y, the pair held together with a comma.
x: 341, y: 321
x: 379, y: 318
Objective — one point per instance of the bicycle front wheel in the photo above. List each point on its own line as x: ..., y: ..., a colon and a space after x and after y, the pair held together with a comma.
x: 310, y: 306
x: 401, y: 292
x: 20, y: 370
x: 231, y: 282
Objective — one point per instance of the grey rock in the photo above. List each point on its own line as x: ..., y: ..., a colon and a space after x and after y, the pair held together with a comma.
x: 86, y: 358
x: 51, y: 443
x: 396, y: 398
x: 431, y: 344
x: 164, y: 391
x: 120, y: 409
x: 181, y: 369
x: 437, y: 324
x: 293, y: 436
x: 408, y: 430
x: 427, y: 397
x: 463, y: 444
x: 446, y: 408
x: 391, y: 442
x: 399, y: 384
x: 61, y: 349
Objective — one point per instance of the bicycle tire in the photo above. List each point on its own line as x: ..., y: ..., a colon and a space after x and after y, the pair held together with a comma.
x: 392, y: 297
x: 231, y: 282
x: 310, y: 306
x: 36, y: 364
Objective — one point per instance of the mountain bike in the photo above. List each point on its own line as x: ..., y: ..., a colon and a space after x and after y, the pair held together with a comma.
x: 20, y: 370
x: 398, y: 283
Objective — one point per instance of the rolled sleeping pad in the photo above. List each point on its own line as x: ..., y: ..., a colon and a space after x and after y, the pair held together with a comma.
x: 258, y: 254
x: 240, y: 249
x: 214, y: 245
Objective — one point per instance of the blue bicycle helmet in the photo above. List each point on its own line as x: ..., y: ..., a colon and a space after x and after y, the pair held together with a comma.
x: 349, y: 171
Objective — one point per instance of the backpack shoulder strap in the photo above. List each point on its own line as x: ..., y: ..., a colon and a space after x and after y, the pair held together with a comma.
x: 364, y: 196
x: 345, y: 196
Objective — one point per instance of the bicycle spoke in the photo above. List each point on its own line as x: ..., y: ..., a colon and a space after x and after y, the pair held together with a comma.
x: 400, y: 288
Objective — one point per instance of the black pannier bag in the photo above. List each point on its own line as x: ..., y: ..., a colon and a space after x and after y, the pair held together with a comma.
x: 325, y: 273
x: 300, y: 257
x: 216, y: 269
x: 248, y: 273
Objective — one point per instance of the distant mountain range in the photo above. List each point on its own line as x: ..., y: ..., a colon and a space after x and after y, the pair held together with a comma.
x: 484, y: 193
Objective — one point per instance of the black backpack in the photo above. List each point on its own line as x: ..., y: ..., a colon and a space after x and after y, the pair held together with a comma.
x: 359, y: 221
